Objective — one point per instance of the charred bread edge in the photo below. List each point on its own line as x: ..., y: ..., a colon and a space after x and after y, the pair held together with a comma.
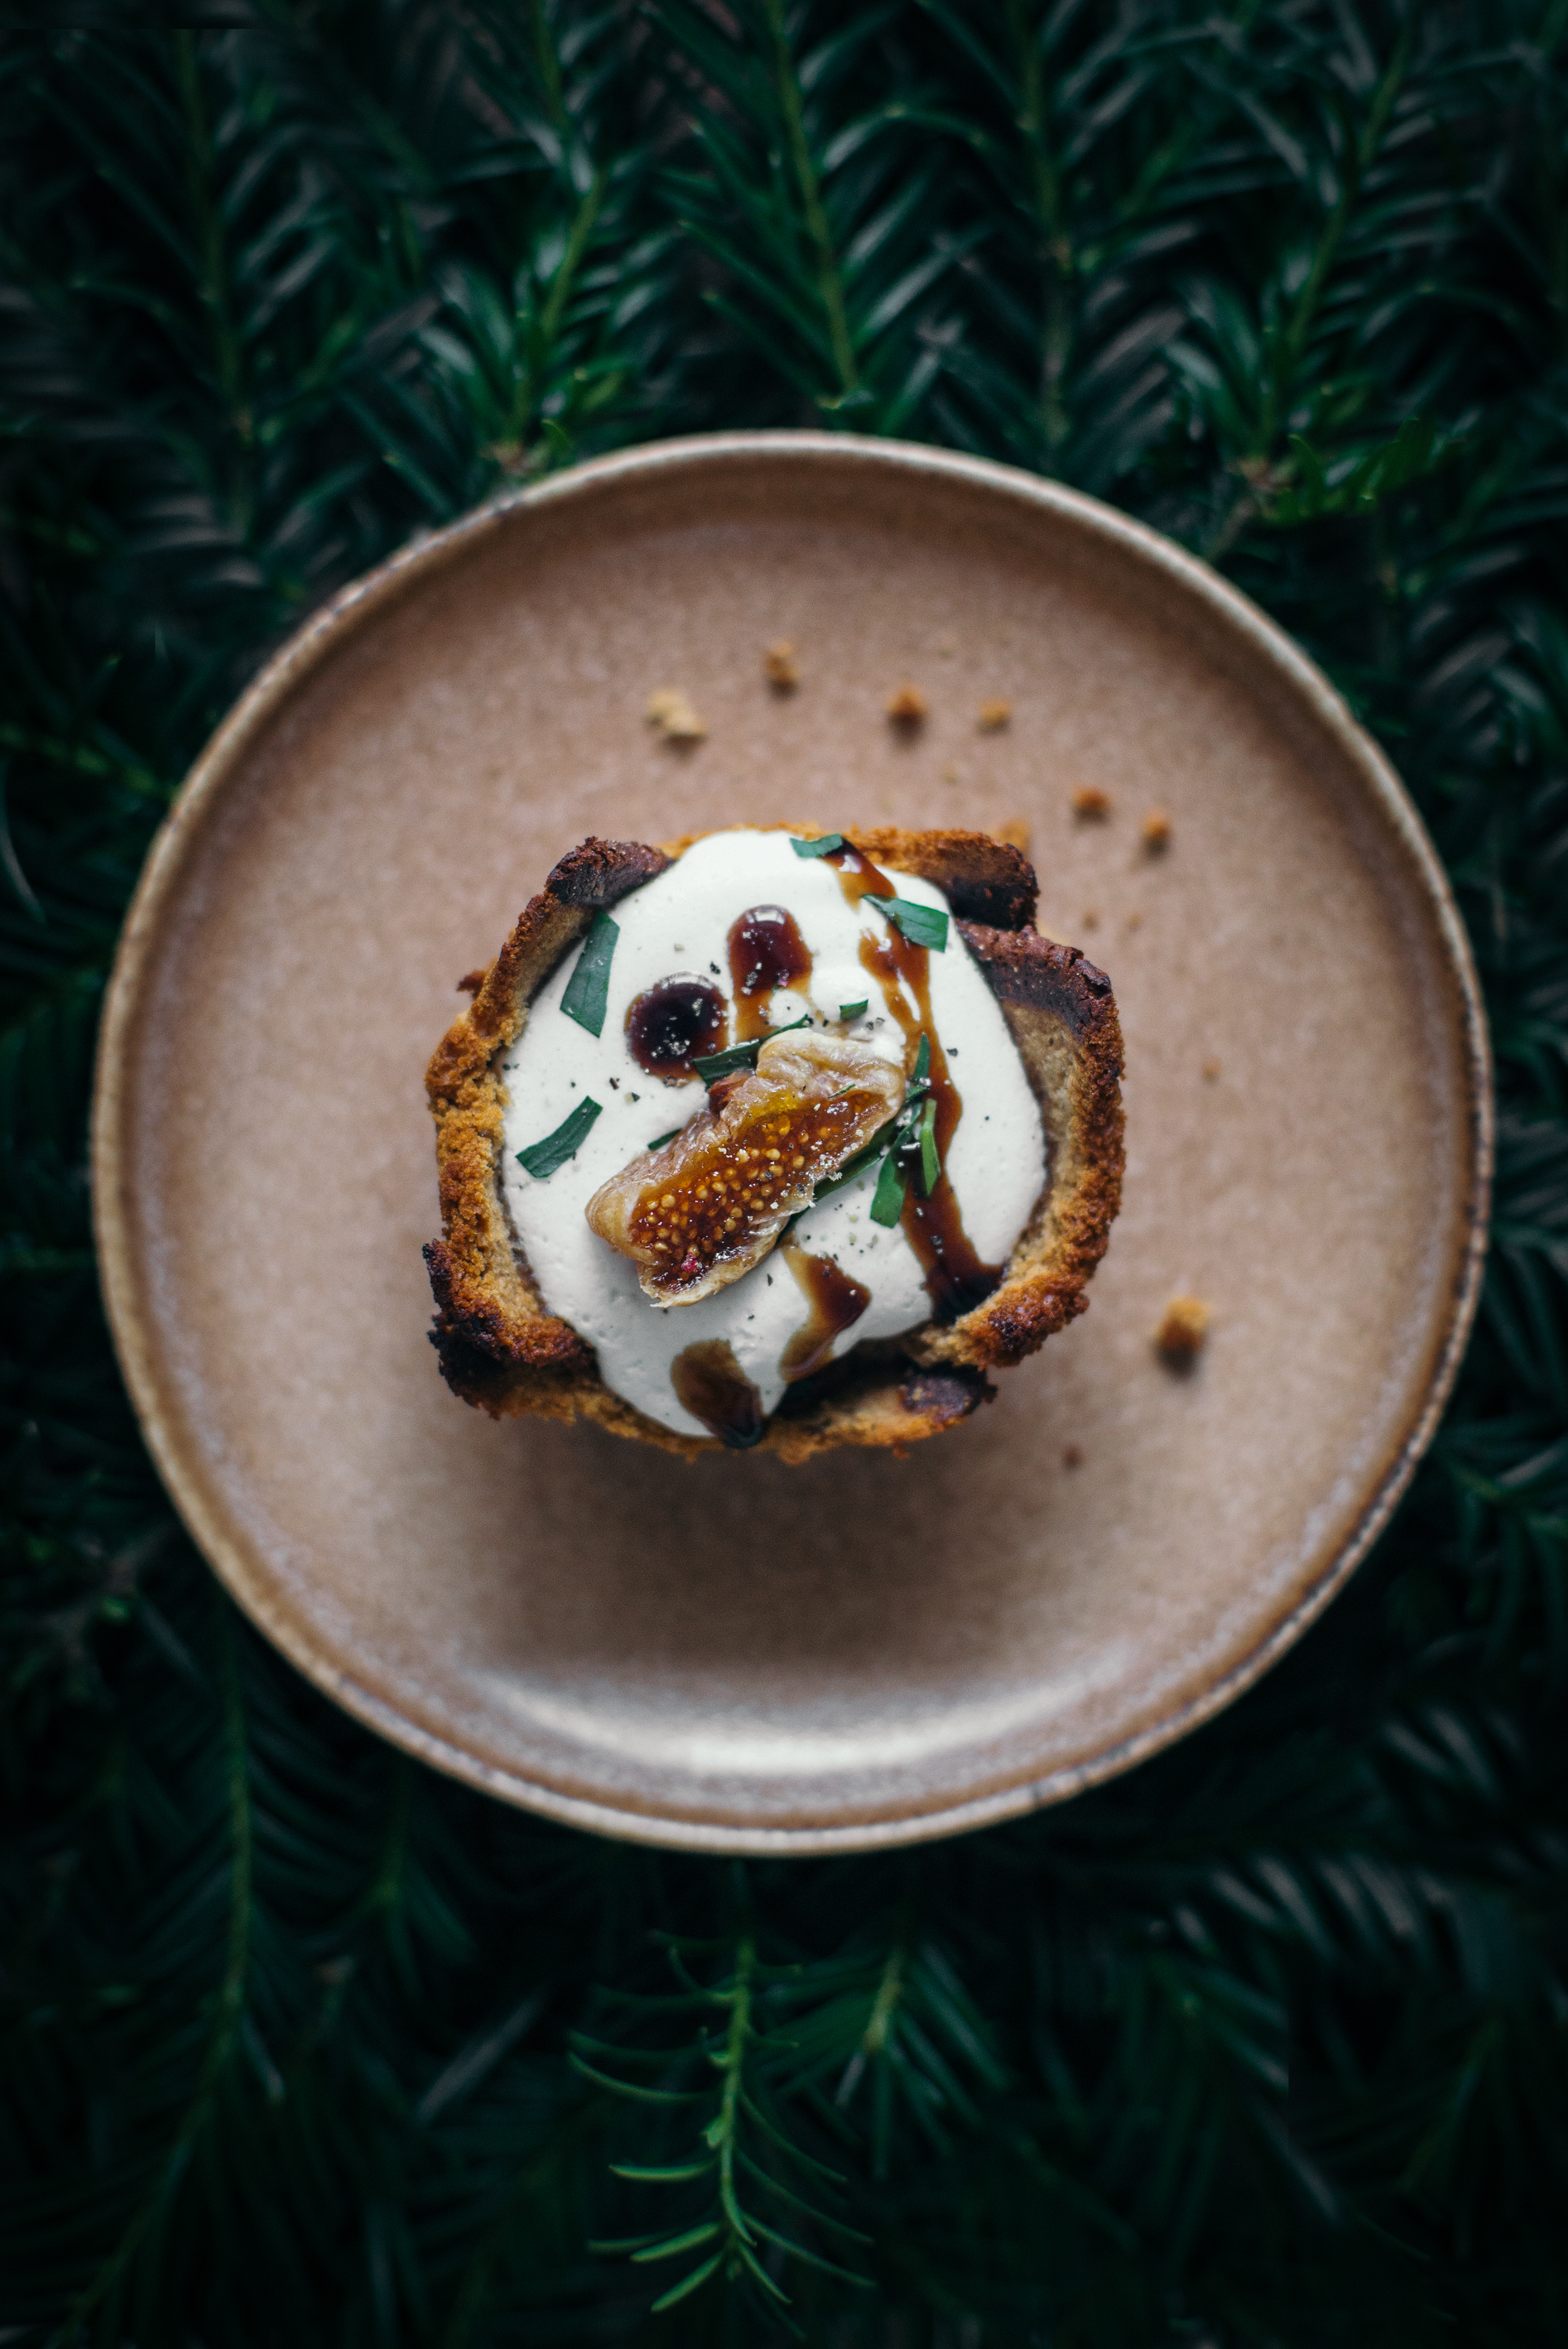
x: 500, y: 1348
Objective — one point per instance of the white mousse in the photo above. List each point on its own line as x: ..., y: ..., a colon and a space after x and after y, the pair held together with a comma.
x: 679, y: 923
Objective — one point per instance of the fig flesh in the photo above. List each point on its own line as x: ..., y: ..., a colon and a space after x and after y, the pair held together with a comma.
x: 702, y: 1211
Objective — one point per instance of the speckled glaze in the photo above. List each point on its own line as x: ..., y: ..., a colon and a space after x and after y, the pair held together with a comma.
x: 734, y: 1655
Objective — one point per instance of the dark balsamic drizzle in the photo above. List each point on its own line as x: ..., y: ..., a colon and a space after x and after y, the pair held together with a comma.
x: 956, y: 1277
x: 766, y: 951
x: 836, y: 1300
x: 673, y: 1024
x: 710, y: 1383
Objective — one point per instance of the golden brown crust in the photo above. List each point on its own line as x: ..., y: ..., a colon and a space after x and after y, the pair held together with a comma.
x: 1062, y: 1014
x: 983, y: 879
x: 493, y: 1333
x: 499, y: 1347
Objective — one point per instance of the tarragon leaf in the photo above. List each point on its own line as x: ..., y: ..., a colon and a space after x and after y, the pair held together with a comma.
x: 930, y: 1163
x: 922, y: 926
x: 588, y: 989
x: 860, y: 1164
x: 887, y: 1207
x: 854, y: 1011
x: 830, y: 842
x: 714, y: 1065
x: 543, y: 1158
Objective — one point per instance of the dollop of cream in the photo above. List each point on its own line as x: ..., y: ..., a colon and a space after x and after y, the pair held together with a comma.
x: 680, y: 922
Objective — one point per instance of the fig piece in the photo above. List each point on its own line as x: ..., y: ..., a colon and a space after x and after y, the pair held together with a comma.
x: 699, y: 1212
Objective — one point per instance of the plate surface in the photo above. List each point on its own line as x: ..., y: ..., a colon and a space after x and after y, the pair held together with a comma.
x: 734, y: 1654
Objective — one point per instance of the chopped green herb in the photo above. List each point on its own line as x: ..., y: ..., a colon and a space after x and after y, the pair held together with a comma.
x: 888, y: 1204
x: 588, y: 989
x: 543, y: 1158
x: 930, y: 1164
x: 854, y: 1011
x: 860, y: 1164
x: 922, y: 926
x: 823, y: 847
x: 659, y: 1140
x: 921, y: 1079
x: 714, y: 1065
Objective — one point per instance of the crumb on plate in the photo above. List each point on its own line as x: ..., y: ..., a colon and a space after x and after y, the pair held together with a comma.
x: 992, y: 716
x: 1092, y: 803
x: 1156, y: 831
x: 1211, y: 1069
x: 1014, y: 833
x: 907, y: 706
x: 780, y: 667
x: 1184, y: 1327
x: 671, y: 713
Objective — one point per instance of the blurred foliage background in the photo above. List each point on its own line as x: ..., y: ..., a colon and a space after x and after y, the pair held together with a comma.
x: 1265, y: 2042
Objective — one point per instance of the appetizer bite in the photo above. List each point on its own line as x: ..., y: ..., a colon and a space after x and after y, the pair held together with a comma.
x: 778, y: 1139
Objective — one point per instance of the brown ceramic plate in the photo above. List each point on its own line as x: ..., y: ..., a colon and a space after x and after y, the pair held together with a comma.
x: 736, y: 1655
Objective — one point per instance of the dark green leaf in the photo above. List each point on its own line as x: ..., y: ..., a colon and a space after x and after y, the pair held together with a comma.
x: 887, y: 1202
x: 930, y: 1164
x: 922, y: 926
x: 714, y: 1065
x: 588, y: 989
x: 543, y: 1159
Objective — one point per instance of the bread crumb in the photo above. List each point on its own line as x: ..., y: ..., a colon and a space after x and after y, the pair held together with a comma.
x: 1184, y: 1327
x: 472, y: 981
x: 1211, y: 1069
x: 1156, y: 831
x: 672, y: 713
x: 1016, y: 833
x: 1090, y: 918
x: 1135, y: 920
x: 952, y: 775
x: 907, y: 706
x: 993, y: 716
x: 1092, y: 803
x: 1072, y: 1456
x: 780, y: 667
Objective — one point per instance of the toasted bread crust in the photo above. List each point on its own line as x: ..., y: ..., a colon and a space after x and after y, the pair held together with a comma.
x: 501, y: 1348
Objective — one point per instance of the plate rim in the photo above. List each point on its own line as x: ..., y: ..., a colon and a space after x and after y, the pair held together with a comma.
x: 333, y: 625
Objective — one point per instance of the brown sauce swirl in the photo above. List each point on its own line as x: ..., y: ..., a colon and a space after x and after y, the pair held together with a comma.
x: 957, y: 1279
x: 673, y: 1024
x: 766, y: 951
x: 836, y: 1300
x: 711, y: 1385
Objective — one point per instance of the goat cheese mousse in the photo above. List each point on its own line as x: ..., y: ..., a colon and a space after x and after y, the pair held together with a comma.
x: 767, y: 1111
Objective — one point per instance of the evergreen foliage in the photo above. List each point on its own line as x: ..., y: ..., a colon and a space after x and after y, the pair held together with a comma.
x: 1266, y: 2043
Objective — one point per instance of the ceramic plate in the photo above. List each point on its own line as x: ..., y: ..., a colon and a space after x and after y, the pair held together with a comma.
x: 735, y: 1655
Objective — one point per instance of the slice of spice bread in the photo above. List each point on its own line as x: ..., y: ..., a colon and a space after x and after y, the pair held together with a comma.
x: 502, y: 1349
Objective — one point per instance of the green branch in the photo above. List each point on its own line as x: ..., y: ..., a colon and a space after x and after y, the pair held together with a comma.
x: 830, y: 283
x: 1056, y: 247
x: 228, y: 2004
x: 213, y: 281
